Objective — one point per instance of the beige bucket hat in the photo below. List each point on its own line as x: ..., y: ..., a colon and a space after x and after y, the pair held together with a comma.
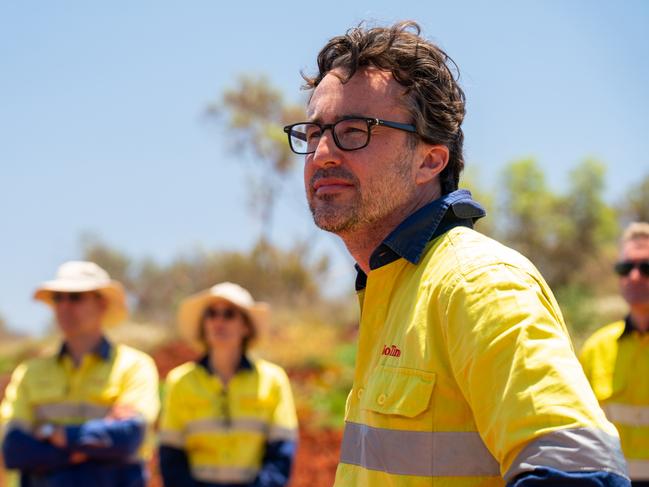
x: 192, y: 308
x: 81, y: 276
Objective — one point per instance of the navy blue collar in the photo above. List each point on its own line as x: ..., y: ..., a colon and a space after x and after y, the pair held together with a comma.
x: 409, y: 239
x: 244, y: 364
x: 629, y: 327
x: 102, y: 349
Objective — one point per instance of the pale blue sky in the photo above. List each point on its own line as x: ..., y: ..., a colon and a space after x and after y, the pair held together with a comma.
x: 101, y: 129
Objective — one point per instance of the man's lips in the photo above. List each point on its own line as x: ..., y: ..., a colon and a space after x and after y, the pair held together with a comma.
x: 331, y: 185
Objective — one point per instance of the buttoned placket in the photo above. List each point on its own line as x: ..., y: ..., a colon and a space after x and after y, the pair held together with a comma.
x: 374, y: 317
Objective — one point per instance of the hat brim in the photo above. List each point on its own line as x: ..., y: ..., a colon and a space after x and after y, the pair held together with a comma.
x: 191, y: 311
x: 116, y: 310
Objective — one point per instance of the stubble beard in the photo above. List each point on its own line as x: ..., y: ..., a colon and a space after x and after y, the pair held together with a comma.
x: 636, y: 295
x: 381, y: 197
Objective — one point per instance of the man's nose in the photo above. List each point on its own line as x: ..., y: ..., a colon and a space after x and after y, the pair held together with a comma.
x: 327, y: 153
x: 635, y: 274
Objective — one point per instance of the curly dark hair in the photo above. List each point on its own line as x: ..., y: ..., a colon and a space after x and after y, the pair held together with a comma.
x: 435, y: 99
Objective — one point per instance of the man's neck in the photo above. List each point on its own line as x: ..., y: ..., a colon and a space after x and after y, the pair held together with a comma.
x: 80, y: 346
x: 640, y: 318
x: 361, y: 243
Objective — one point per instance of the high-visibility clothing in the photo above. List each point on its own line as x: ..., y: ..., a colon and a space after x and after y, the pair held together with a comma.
x: 226, y: 431
x: 616, y: 361
x: 465, y: 374
x: 52, y: 390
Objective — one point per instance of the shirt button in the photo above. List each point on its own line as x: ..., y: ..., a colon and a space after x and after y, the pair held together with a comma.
x: 381, y: 399
x: 359, y: 392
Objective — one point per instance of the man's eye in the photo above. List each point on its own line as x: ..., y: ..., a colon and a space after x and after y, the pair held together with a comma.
x: 355, y: 130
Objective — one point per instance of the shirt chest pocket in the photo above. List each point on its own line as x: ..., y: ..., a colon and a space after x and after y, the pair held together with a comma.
x: 398, y: 391
x: 250, y: 404
x: 46, y: 392
x: 101, y: 392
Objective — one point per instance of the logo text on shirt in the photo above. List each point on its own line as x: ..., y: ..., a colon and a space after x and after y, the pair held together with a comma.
x: 392, y: 351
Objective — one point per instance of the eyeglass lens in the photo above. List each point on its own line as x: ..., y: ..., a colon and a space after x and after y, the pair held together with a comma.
x: 72, y: 297
x: 349, y: 134
x: 624, y: 268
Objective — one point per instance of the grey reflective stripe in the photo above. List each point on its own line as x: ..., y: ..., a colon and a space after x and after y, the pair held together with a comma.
x: 224, y: 475
x: 571, y: 450
x: 627, y: 414
x: 638, y: 469
x: 14, y: 424
x: 172, y: 438
x: 76, y: 410
x: 220, y: 425
x: 422, y: 453
x: 278, y: 433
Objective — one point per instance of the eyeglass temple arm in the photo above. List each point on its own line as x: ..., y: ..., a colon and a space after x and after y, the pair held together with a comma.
x: 395, y: 125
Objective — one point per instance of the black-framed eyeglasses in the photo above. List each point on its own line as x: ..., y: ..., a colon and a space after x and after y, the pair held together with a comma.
x: 625, y: 267
x: 226, y: 313
x: 349, y: 133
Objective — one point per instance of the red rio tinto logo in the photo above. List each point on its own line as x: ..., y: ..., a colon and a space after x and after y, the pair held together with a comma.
x: 392, y: 351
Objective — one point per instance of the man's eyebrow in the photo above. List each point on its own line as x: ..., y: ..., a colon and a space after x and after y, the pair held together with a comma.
x: 318, y: 119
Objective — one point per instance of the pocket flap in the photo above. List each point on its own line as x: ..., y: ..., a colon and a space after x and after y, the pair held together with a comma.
x: 399, y: 391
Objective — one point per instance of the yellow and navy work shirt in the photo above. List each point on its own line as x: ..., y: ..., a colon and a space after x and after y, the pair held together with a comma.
x: 465, y: 374
x: 52, y: 390
x: 242, y: 433
x: 616, y: 362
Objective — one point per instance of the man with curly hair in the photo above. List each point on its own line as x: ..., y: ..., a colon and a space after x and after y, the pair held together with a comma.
x: 465, y: 373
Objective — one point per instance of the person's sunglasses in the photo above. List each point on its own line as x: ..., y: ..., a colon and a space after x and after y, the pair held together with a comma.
x: 625, y: 267
x: 72, y: 297
x: 226, y: 314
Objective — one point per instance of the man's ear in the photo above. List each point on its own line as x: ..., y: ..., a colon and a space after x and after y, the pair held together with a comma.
x: 432, y: 161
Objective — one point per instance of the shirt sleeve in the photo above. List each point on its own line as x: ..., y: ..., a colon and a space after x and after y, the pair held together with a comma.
x: 282, y: 438
x: 513, y: 360
x: 174, y: 467
x: 172, y: 421
x: 107, y: 439
x: 174, y: 462
x: 20, y: 449
x: 140, y: 389
x: 551, y: 477
x: 284, y: 421
x: 16, y: 406
x: 276, y: 465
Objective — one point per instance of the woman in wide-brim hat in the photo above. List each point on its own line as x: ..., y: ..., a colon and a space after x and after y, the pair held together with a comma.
x: 228, y: 419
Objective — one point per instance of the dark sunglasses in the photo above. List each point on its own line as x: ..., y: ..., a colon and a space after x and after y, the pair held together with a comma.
x: 72, y: 297
x: 625, y: 267
x: 226, y: 314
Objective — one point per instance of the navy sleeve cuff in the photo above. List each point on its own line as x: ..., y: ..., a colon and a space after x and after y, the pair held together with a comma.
x: 174, y: 467
x: 276, y: 466
x: 108, y: 439
x: 22, y: 451
x: 546, y: 477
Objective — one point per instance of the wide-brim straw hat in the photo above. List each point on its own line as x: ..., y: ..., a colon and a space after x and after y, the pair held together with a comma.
x: 82, y: 276
x: 190, y: 312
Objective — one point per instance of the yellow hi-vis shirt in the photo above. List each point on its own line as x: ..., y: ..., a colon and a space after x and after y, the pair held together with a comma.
x: 52, y: 390
x: 224, y: 430
x: 466, y: 376
x: 617, y: 364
